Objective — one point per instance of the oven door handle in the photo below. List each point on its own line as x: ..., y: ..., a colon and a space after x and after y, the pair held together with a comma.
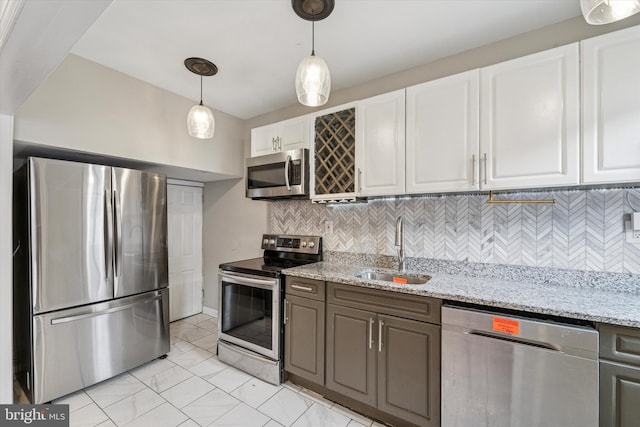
x: 244, y: 280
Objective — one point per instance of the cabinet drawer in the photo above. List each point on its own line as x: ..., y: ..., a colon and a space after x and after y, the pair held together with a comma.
x: 620, y: 343
x: 308, y: 288
x: 387, y: 302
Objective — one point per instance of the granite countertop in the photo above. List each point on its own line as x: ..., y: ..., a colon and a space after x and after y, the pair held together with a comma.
x: 598, y: 297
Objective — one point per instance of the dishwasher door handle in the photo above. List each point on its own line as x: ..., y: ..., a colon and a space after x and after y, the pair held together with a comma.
x: 513, y: 340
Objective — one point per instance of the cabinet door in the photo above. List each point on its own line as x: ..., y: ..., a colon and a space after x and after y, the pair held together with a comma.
x: 351, y: 353
x: 409, y: 370
x: 293, y: 134
x: 380, y: 144
x: 443, y: 134
x: 529, y: 127
x: 304, y: 338
x: 619, y: 395
x: 611, y: 107
x: 263, y: 140
x: 334, y: 152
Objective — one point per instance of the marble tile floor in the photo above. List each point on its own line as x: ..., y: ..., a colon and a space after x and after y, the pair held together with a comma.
x: 191, y: 387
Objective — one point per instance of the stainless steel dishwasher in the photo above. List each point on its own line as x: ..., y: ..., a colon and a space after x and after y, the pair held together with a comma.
x: 510, y: 371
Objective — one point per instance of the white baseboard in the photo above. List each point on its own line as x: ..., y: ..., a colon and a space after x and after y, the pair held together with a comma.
x: 210, y: 311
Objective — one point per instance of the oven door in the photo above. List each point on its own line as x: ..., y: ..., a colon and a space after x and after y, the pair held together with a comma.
x: 280, y: 175
x: 249, y: 310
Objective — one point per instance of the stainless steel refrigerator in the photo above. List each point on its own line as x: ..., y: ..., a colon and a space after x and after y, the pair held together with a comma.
x: 90, y: 274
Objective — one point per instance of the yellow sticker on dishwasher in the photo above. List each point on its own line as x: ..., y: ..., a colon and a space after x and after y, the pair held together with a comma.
x: 506, y: 326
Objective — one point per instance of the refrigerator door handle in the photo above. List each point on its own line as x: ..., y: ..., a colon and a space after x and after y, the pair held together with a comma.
x: 101, y: 312
x: 108, y: 231
x: 118, y: 235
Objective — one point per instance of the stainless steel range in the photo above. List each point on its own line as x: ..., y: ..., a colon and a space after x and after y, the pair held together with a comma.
x: 250, y: 327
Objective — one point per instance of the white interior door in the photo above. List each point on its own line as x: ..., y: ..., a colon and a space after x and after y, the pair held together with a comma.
x: 184, y: 218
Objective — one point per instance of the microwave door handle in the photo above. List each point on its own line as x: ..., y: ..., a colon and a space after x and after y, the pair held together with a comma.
x: 286, y: 172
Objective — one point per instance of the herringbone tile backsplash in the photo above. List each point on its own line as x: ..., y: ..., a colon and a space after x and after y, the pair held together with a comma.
x: 583, y: 230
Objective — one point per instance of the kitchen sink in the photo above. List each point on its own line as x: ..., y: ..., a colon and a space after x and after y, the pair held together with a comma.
x: 401, y: 278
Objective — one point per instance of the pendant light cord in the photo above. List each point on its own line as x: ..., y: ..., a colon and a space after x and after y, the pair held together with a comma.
x: 200, y: 89
x: 313, y: 38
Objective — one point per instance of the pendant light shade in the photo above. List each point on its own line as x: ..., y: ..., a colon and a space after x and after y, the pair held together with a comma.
x: 598, y: 12
x: 313, y: 81
x: 200, y: 121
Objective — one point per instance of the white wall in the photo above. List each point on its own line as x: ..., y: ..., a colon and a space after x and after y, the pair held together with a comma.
x: 87, y: 107
x: 6, y: 260
x: 233, y: 226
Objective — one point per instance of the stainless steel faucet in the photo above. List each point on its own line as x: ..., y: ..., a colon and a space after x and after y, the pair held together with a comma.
x: 400, y: 242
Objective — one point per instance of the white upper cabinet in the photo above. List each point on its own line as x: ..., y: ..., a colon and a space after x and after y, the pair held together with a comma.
x: 282, y: 136
x: 380, y: 144
x: 263, y: 140
x: 443, y: 134
x: 530, y: 121
x: 611, y: 107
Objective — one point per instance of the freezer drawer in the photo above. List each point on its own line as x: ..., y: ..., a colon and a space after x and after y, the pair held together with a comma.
x: 509, y: 371
x: 75, y: 348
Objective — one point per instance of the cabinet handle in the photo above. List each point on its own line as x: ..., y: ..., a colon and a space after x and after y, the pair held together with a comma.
x: 302, y: 288
x: 359, y: 179
x: 285, y: 311
x: 485, y: 168
x: 273, y: 144
x: 380, y: 325
x: 370, y: 333
x: 279, y: 144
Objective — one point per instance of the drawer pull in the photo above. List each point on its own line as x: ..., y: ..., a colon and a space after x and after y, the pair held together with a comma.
x: 302, y: 288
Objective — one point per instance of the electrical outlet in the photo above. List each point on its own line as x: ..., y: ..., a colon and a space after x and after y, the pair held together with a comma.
x: 631, y: 236
x: 328, y: 227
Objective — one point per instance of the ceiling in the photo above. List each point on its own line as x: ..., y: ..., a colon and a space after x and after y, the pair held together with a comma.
x: 257, y: 44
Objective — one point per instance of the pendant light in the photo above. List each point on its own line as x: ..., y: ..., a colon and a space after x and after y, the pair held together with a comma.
x: 313, y: 79
x: 598, y: 12
x: 200, y: 120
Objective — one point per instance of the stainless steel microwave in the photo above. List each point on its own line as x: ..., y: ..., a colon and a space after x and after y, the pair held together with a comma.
x: 282, y: 175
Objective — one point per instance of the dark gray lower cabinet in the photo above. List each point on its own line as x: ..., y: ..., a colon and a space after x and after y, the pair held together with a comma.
x: 386, y: 362
x: 351, y: 355
x: 619, y: 395
x: 619, y: 376
x: 374, y: 349
x: 409, y: 370
x: 304, y: 338
x: 304, y: 324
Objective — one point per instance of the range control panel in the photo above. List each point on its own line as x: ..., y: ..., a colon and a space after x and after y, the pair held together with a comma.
x: 292, y: 243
